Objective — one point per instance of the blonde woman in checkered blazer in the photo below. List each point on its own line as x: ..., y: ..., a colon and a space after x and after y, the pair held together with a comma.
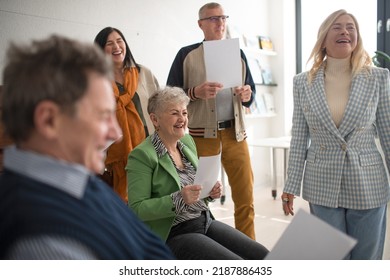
x: 341, y: 106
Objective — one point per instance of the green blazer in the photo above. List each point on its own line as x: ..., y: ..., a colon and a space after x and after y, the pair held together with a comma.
x: 151, y: 181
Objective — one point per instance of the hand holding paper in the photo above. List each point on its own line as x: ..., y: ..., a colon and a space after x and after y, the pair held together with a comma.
x: 207, y: 173
x: 245, y: 92
x: 208, y: 90
x: 216, y: 191
x: 191, y: 193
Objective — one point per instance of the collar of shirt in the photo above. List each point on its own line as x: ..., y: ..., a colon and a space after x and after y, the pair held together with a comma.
x: 65, y: 176
x: 160, y: 147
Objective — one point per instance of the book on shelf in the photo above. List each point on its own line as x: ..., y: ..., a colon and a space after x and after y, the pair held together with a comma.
x: 247, y: 110
x: 269, y: 102
x: 258, y: 106
x: 265, y: 43
x: 252, y: 42
x: 267, y: 76
x: 255, y: 68
x: 233, y: 31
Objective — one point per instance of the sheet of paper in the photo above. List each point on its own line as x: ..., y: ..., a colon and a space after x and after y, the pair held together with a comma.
x: 207, y: 173
x: 309, y: 238
x: 223, y: 62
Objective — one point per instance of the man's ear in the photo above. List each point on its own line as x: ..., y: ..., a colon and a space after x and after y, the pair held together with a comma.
x: 46, y: 116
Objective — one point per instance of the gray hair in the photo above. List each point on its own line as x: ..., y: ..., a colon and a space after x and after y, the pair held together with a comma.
x: 160, y: 100
x: 55, y: 69
x: 208, y: 6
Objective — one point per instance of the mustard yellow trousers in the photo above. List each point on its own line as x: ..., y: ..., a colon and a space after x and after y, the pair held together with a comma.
x: 236, y: 162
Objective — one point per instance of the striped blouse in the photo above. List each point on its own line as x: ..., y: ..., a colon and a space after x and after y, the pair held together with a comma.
x: 183, y: 211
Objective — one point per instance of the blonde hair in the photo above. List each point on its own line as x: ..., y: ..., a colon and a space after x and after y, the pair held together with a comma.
x: 360, y: 59
x: 160, y: 100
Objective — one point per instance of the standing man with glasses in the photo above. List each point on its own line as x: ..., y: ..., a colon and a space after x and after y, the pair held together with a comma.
x: 216, y: 115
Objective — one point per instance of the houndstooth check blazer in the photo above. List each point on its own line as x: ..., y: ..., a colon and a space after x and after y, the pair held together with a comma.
x: 341, y: 167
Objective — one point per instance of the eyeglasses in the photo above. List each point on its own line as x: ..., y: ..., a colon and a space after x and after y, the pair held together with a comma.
x: 215, y: 18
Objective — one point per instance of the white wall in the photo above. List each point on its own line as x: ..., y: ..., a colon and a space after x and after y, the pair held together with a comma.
x: 154, y: 29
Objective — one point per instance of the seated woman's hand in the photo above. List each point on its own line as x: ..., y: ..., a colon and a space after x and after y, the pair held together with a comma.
x: 191, y: 193
x: 216, y: 191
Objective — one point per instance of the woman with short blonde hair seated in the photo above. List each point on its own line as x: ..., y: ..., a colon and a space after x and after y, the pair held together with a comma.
x: 160, y: 176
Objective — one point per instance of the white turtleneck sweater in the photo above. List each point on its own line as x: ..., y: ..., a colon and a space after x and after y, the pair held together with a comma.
x: 338, y: 79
